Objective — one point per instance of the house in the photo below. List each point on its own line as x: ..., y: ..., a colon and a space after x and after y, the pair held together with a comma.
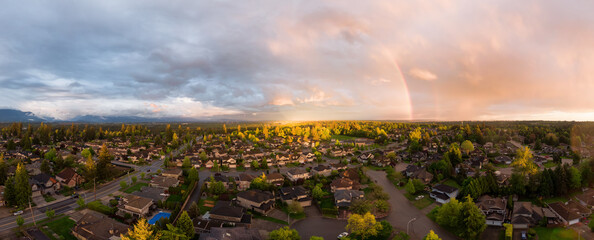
x: 351, y: 174
x: 576, y: 207
x: 494, y: 209
x: 568, y: 216
x: 422, y: 175
x: 322, y: 170
x: 209, y: 164
x: 224, y: 211
x: 243, y: 181
x: 217, y: 177
x: 163, y: 182
x: 586, y: 198
x: 298, y: 193
x: 96, y: 226
x: 502, y: 160
x: 275, y: 179
x: 136, y: 206
x: 296, y: 174
x: 344, y: 198
x: 156, y: 194
x: 235, y: 233
x: 256, y: 200
x: 443, y: 193
x: 45, y: 184
x: 342, y: 184
x: 69, y: 177
x: 172, y: 173
x: 526, y: 215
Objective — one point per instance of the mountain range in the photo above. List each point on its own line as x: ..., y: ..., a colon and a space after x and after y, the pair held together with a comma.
x: 11, y: 115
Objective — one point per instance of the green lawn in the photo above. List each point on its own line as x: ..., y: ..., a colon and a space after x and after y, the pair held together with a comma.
x: 48, y: 198
x: 421, y: 203
x: 550, y: 164
x: 452, y: 183
x: 136, y: 187
x: 174, y: 198
x: 62, y: 227
x: 270, y: 219
x: 556, y: 233
x: 204, y: 209
x: 99, y: 207
x: 556, y: 199
x: 342, y: 138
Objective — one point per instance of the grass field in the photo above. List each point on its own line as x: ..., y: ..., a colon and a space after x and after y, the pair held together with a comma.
x: 136, y: 187
x: 62, y: 227
x: 555, y: 233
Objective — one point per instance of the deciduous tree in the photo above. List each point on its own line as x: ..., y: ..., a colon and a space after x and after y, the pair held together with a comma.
x: 364, y: 226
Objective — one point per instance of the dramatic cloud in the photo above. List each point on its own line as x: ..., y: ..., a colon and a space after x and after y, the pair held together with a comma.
x: 294, y: 60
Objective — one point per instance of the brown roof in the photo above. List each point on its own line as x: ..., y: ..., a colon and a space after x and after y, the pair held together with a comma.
x: 96, y: 226
x: 342, y: 183
x: 563, y: 211
x: 138, y: 201
x: 67, y: 174
x: 275, y: 176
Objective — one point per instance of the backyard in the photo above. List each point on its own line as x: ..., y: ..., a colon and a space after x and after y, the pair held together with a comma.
x: 135, y: 187
x: 555, y: 233
x: 62, y: 227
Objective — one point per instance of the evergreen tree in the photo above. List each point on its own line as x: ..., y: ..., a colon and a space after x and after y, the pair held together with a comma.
x: 103, y: 162
x: 185, y: 224
x: 22, y: 187
x: 3, y: 170
x: 193, y: 174
x: 473, y: 219
x: 45, y: 167
x: 10, y: 192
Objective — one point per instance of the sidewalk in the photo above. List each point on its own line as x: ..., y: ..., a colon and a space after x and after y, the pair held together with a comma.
x: 59, y: 198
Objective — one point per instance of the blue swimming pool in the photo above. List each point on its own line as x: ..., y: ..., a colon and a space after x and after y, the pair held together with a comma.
x: 159, y: 216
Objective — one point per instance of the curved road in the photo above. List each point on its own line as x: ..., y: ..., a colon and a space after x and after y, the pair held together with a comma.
x: 402, y: 212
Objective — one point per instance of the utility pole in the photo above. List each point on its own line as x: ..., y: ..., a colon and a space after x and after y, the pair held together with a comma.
x: 94, y: 189
x: 32, y: 215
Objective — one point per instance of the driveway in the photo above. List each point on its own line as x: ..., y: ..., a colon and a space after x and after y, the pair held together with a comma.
x: 403, y: 211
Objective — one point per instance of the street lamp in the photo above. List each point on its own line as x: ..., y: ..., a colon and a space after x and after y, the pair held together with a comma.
x: 407, y: 224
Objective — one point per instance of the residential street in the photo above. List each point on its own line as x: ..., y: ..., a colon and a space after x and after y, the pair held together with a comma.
x: 67, y: 205
x: 403, y: 211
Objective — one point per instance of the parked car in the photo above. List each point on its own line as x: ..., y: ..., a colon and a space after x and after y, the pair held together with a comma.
x: 75, y: 195
x: 523, y: 235
x: 344, y: 234
x: 19, y: 212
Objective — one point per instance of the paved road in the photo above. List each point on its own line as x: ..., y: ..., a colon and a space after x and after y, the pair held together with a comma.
x: 403, y: 211
x: 316, y: 225
x: 70, y: 204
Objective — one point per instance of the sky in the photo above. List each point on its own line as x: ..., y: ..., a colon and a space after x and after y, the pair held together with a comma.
x: 300, y: 60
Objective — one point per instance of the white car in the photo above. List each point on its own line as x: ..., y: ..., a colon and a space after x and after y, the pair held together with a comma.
x: 344, y: 234
x: 18, y: 212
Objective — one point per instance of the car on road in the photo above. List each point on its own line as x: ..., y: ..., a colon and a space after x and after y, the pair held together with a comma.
x: 75, y: 195
x: 19, y: 212
x: 344, y: 234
